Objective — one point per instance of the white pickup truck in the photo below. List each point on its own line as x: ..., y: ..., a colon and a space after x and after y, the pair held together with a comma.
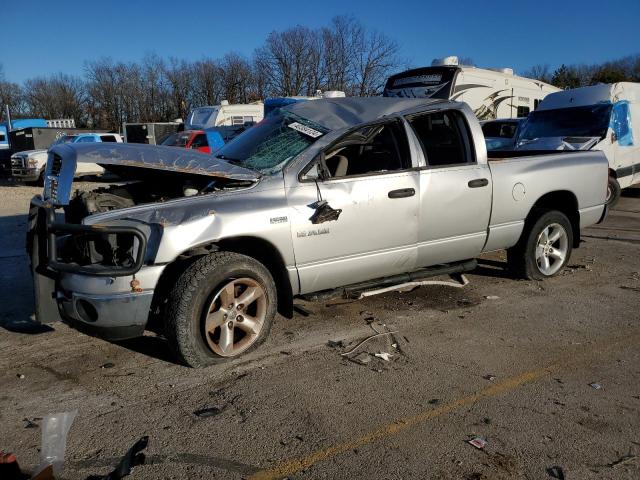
x: 29, y: 166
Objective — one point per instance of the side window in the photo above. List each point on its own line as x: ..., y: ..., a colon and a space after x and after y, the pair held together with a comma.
x: 372, y: 149
x: 200, y: 141
x: 444, y: 138
x: 523, y: 111
x: 86, y: 140
x: 108, y: 138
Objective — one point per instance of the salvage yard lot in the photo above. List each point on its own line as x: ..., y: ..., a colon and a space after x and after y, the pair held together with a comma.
x: 509, y: 361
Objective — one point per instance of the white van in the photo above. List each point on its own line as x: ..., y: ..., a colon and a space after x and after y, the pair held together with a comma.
x: 224, y: 114
x: 491, y: 93
x: 600, y: 117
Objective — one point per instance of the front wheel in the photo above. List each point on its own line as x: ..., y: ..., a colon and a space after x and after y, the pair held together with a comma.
x: 544, y: 248
x: 222, y: 306
x: 613, y: 192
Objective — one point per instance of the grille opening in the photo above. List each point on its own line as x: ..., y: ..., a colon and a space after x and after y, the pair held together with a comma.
x: 56, y: 164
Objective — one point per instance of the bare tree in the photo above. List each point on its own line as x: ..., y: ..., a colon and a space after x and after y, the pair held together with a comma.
x: 58, y: 96
x: 376, y: 57
x: 11, y: 95
x: 539, y: 72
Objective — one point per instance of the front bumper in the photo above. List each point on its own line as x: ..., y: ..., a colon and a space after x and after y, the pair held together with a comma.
x: 25, y: 174
x: 104, y: 302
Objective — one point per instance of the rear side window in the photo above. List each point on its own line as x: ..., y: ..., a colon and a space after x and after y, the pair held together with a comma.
x: 200, y: 141
x: 108, y: 138
x: 372, y: 149
x: 444, y: 138
x: 86, y: 140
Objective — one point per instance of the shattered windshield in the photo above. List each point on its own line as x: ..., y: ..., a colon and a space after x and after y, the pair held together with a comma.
x: 269, y: 145
x: 589, y: 121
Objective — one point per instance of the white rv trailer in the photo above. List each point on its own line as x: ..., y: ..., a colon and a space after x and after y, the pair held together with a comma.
x: 224, y: 114
x: 600, y: 117
x: 491, y: 93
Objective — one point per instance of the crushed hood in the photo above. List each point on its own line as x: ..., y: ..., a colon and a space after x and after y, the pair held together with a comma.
x: 174, y: 159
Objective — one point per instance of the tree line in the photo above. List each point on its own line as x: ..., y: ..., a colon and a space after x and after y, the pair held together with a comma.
x: 625, y: 69
x: 343, y: 55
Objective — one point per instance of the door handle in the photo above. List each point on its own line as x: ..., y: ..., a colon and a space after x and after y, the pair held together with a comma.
x: 402, y: 193
x: 478, y: 182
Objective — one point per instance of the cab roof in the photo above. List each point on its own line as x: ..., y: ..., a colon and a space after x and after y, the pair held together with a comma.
x: 339, y: 113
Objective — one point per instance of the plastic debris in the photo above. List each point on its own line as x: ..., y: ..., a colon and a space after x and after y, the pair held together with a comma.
x: 489, y: 377
x: 478, y: 442
x: 492, y: 297
x: 335, y: 343
x: 55, y: 428
x: 30, y: 423
x: 208, y: 412
x: 556, y: 472
x: 384, y: 356
x: 131, y: 459
x: 108, y: 365
x: 20, y: 376
x: 595, y: 386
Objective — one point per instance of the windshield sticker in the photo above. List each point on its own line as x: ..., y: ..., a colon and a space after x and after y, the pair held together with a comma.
x: 304, y: 129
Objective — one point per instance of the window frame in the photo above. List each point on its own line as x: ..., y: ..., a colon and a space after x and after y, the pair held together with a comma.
x: 465, y: 131
x: 387, y: 121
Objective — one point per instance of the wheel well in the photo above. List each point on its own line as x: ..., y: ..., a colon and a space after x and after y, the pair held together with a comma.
x: 563, y: 201
x: 613, y: 174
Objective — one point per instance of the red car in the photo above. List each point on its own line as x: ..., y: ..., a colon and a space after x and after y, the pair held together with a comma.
x: 195, y: 139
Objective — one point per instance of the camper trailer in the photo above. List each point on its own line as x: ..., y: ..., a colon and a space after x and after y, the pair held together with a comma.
x: 600, y: 117
x: 491, y: 93
x: 225, y: 114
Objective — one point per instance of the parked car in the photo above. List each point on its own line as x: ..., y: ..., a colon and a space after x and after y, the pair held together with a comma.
x: 602, y: 117
x: 330, y: 197
x: 5, y: 146
x: 194, y: 139
x: 501, y: 134
x: 491, y: 92
x: 29, y: 166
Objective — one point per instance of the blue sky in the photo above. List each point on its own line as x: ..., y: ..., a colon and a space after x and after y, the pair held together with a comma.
x: 44, y: 37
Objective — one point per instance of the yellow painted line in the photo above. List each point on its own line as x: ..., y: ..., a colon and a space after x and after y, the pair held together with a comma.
x: 290, y: 467
x: 293, y: 466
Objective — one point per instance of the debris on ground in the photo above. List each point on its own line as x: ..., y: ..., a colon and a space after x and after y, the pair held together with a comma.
x: 595, y: 386
x: 362, y: 358
x: 108, y: 365
x: 31, y: 423
x: 478, y: 442
x: 492, y: 297
x: 556, y: 472
x: 434, y: 401
x: 131, y: 459
x: 624, y: 459
x: 336, y: 343
x: 208, y: 412
x: 384, y: 356
x: 626, y: 287
x: 9, y: 468
x: 489, y: 377
x: 301, y: 310
x: 20, y: 376
x: 55, y: 428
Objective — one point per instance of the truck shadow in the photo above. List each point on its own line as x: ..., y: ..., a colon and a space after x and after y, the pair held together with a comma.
x: 492, y: 268
x: 150, y: 346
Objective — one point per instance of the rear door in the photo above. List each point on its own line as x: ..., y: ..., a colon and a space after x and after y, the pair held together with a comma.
x: 372, y: 189
x: 455, y: 190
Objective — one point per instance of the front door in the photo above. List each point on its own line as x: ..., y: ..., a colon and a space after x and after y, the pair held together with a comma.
x: 373, y: 186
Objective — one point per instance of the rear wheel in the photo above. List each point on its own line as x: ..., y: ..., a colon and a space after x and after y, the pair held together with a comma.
x: 222, y: 306
x: 544, y: 248
x: 613, y: 192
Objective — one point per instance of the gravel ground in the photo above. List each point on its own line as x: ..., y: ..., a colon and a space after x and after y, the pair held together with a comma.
x: 505, y: 360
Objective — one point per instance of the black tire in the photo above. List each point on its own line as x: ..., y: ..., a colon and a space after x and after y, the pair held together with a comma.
x: 613, y: 192
x: 522, y: 257
x: 193, y: 292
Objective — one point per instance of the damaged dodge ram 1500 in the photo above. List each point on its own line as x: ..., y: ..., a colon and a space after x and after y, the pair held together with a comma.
x: 336, y: 196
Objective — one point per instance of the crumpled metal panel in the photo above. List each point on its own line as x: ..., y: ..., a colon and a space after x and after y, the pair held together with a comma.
x: 338, y: 113
x: 152, y: 156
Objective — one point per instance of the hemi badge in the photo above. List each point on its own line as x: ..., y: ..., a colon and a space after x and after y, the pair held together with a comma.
x: 278, y: 220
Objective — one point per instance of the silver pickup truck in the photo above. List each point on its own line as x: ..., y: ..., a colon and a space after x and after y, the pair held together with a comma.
x: 330, y: 197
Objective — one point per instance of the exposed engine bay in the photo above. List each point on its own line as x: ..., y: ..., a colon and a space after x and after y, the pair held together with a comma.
x: 154, y: 189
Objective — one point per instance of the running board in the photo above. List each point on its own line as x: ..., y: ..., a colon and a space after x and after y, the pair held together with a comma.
x: 398, y: 282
